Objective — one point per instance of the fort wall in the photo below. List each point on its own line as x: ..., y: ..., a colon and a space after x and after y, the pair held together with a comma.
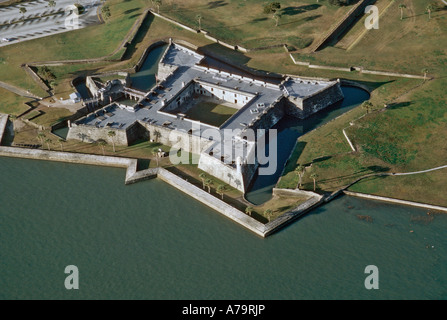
x: 303, y: 108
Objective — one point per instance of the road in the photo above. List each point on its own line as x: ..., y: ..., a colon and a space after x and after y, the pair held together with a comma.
x: 42, y: 21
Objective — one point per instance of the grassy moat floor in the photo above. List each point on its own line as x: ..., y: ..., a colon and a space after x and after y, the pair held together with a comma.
x: 409, y: 135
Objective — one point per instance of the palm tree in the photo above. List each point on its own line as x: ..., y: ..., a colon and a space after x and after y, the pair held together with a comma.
x: 425, y: 71
x: 220, y: 190
x: 202, y: 176
x: 156, y: 152
x: 199, y: 20
x: 41, y: 136
x: 402, y: 7
x: 300, y: 172
x: 61, y: 142
x: 158, y: 3
x: 237, y: 182
x: 48, y: 141
x: 276, y: 16
x: 367, y: 105
x: 268, y: 213
x: 249, y: 210
x: 429, y: 8
x: 82, y: 136
x: 102, y: 143
x: 105, y: 12
x: 208, y: 184
x: 112, y: 135
x: 157, y: 135
x: 22, y: 11
x: 314, y: 177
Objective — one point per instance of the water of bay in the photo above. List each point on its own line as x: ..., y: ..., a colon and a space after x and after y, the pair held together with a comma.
x: 149, y: 241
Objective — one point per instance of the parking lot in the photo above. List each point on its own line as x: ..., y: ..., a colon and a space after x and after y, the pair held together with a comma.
x: 40, y: 20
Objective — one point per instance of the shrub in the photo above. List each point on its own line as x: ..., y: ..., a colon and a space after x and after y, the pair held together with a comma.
x: 80, y: 7
x: 339, y: 2
x: 272, y: 7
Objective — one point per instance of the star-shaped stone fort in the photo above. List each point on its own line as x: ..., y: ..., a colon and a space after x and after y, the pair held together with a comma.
x: 216, y: 114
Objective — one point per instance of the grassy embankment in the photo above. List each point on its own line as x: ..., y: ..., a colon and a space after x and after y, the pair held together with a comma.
x: 409, y: 135
x: 244, y: 23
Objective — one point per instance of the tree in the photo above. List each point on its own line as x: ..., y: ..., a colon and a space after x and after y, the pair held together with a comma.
x: 102, y: 143
x: 112, y: 135
x: 105, y: 10
x: 314, y: 177
x: 61, y: 142
x: 157, y: 135
x: 300, y: 172
x: 156, y: 152
x: 272, y: 7
x: 268, y: 213
x: 339, y: 2
x: 220, y: 190
x: 48, y: 141
x: 276, y: 17
x: 238, y: 182
x: 41, y: 136
x: 429, y: 8
x: 367, y: 105
x: 425, y: 71
x: 51, y: 3
x: 208, y: 184
x: 82, y: 136
x: 402, y: 7
x: 199, y: 20
x: 22, y: 11
x: 158, y: 3
x: 249, y: 210
x: 202, y: 176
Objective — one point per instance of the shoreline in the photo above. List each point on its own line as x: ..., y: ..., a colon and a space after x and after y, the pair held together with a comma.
x: 134, y: 176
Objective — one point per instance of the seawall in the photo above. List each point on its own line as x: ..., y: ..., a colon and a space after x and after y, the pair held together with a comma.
x: 133, y: 176
x: 397, y: 201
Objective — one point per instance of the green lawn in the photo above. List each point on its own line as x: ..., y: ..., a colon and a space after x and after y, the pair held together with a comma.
x: 11, y: 103
x: 51, y: 116
x: 211, y: 113
x: 244, y: 23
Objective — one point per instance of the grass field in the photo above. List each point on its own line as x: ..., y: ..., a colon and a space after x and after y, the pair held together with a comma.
x: 244, y: 22
x: 11, y: 103
x: 211, y: 113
